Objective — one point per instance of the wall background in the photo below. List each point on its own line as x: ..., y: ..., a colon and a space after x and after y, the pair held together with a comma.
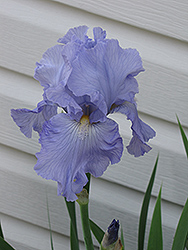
x: 159, y: 31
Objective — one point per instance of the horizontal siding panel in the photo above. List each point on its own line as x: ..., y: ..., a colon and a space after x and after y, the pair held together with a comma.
x: 25, y: 200
x: 36, y: 25
x: 27, y: 34
x: 167, y: 18
x: 163, y: 93
x: 26, y: 236
x: 168, y: 141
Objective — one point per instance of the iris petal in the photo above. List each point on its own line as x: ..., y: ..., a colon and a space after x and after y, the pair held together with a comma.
x: 77, y: 32
x: 60, y: 96
x: 137, y: 147
x: 71, y: 50
x: 53, y: 68
x: 106, y: 68
x: 27, y: 119
x: 53, y: 72
x: 71, y: 149
x: 99, y: 33
x: 141, y: 131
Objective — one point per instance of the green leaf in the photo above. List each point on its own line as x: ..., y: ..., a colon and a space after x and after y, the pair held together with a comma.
x: 4, y: 245
x: 182, y: 230
x: 73, y: 225
x: 1, y: 232
x: 87, y: 186
x: 122, y: 239
x: 155, y: 241
x: 97, y: 231
x: 144, y: 210
x: 51, y: 239
x: 184, y: 138
x: 186, y: 243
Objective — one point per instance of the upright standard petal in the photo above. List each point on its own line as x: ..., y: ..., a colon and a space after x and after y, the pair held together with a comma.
x: 77, y: 33
x: 33, y: 119
x: 141, y: 131
x: 52, y: 72
x: 69, y: 149
x: 99, y: 33
x: 53, y: 68
x: 106, y: 68
x: 71, y: 50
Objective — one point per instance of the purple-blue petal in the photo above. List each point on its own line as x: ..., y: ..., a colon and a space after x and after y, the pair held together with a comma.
x: 106, y: 68
x: 77, y: 32
x: 62, y: 98
x: 33, y: 119
x: 53, y: 72
x: 93, y: 105
x: 99, y: 33
x: 99, y: 114
x: 71, y: 50
x: 69, y: 149
x: 142, y: 132
x: 137, y: 147
x: 53, y: 68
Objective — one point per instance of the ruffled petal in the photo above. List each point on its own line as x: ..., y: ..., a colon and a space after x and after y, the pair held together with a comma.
x: 94, y: 106
x: 53, y: 72
x: 106, y: 68
x: 77, y: 32
x: 70, y: 149
x: 27, y: 119
x: 99, y: 33
x: 53, y: 68
x: 137, y: 147
x: 62, y: 97
x: 71, y: 50
x: 141, y: 131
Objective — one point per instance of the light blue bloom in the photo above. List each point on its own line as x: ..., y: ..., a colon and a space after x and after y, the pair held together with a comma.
x: 88, y: 79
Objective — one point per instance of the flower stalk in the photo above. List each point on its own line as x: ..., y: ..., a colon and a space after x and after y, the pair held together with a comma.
x: 83, y: 201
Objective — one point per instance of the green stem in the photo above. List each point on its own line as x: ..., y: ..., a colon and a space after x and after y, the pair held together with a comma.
x: 73, y: 226
x: 86, y: 227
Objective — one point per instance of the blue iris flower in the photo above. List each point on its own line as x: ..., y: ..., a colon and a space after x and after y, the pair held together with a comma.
x: 88, y: 79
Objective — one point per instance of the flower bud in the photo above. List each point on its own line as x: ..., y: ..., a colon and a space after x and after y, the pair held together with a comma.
x: 110, y: 240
